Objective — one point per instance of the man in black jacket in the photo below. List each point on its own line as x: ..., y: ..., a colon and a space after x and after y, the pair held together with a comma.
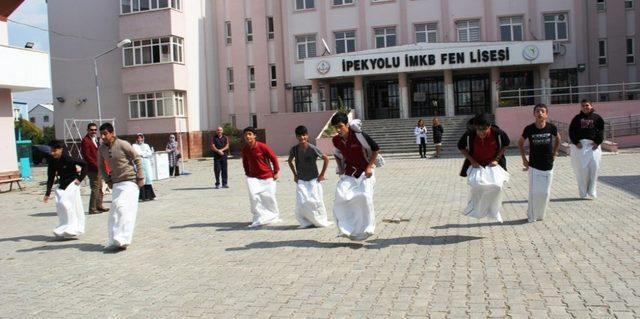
x: 492, y: 142
x: 586, y: 132
x: 71, y: 172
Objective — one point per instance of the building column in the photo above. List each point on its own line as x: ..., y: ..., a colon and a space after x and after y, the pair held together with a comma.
x: 358, y: 96
x: 315, y: 84
x: 403, y: 84
x: 449, y: 101
x: 545, y: 83
x: 494, y: 77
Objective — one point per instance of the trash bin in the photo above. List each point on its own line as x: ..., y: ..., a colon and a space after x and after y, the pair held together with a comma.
x: 24, y: 158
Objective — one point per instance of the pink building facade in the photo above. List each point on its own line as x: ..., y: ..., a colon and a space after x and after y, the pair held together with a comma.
x: 194, y: 65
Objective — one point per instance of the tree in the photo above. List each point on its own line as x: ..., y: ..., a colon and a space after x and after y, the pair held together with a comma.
x: 28, y: 131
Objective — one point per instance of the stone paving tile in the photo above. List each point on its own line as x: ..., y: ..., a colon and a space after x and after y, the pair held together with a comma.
x: 193, y: 256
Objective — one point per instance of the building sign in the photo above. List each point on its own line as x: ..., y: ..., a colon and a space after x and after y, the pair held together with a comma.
x: 441, y: 56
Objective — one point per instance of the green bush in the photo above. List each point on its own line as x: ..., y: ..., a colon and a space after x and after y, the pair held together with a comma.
x: 28, y: 131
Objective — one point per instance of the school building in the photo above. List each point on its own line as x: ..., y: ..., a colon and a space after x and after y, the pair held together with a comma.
x: 194, y: 65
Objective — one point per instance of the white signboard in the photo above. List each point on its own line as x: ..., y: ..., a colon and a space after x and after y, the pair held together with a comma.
x: 442, y: 56
x: 160, y: 165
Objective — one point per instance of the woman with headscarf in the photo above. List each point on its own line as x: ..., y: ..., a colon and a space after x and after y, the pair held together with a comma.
x: 144, y: 150
x: 174, y: 156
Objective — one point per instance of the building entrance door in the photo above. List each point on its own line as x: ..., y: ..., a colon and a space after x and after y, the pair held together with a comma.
x: 427, y: 97
x: 383, y: 99
x: 472, y: 94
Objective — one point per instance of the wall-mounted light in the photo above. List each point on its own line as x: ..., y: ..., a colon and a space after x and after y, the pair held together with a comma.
x: 581, y: 67
x: 81, y: 101
x: 287, y: 86
x: 60, y: 99
x: 29, y: 45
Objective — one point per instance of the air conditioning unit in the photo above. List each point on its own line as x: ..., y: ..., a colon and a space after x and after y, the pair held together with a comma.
x: 557, y: 48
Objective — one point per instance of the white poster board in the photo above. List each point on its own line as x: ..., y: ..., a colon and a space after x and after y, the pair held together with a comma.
x: 160, y: 165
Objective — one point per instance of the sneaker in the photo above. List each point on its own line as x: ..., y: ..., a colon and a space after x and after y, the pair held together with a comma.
x: 225, y: 186
x: 102, y: 209
x: 216, y: 187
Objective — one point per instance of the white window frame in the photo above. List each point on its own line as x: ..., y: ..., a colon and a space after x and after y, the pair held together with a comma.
x: 273, y: 75
x: 305, y: 5
x: 170, y: 50
x: 230, y: 85
x: 602, y: 56
x: 510, y: 23
x: 556, y: 21
x: 385, y: 34
x: 45, y: 118
x: 227, y: 32
x: 251, y: 77
x: 152, y: 5
x: 631, y: 57
x: 308, y: 41
x: 429, y: 29
x: 467, y: 26
x: 345, y: 37
x: 342, y: 3
x: 271, y: 28
x: 601, y: 5
x: 248, y: 30
x: 160, y: 105
x: 629, y: 4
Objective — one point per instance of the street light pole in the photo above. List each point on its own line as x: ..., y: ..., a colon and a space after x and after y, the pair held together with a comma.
x: 95, y: 74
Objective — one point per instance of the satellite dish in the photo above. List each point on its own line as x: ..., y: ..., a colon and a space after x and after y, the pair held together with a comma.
x: 326, y: 47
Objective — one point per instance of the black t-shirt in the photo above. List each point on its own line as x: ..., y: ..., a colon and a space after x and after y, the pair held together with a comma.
x: 219, y: 142
x: 540, y: 145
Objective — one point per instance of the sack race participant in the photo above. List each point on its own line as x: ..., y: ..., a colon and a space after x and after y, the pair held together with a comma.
x: 586, y: 132
x: 356, y: 155
x: 144, y: 150
x: 310, y: 210
x: 258, y: 160
x: 542, y: 153
x: 485, y: 167
x: 125, y: 181
x: 69, y: 207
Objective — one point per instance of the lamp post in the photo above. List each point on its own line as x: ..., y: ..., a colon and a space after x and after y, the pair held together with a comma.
x: 95, y: 73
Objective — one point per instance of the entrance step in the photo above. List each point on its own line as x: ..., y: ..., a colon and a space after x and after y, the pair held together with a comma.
x: 396, y: 135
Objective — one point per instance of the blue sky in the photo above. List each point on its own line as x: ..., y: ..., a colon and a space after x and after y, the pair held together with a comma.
x: 32, y: 12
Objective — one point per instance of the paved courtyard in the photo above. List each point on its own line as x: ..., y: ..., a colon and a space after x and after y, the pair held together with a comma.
x: 193, y: 256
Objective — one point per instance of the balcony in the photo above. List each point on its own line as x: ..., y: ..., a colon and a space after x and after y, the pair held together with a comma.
x: 24, y: 69
x: 152, y: 24
x: 154, y: 78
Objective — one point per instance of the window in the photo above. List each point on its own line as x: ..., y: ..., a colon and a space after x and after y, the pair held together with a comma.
x: 253, y: 120
x: 555, y: 27
x: 252, y: 77
x: 342, y: 2
x: 631, y: 51
x: 306, y: 46
x: 302, y: 98
x: 563, y: 82
x: 427, y: 32
x: 602, y: 52
x: 227, y: 31
x: 156, y: 104
x: 32, y: 119
x: 272, y: 75
x: 628, y: 4
x: 322, y: 98
x: 601, y: 5
x: 45, y: 118
x: 468, y: 30
x: 345, y: 41
x: 248, y: 28
x: 230, y: 79
x: 385, y: 37
x: 511, y: 29
x: 133, y: 6
x: 150, y: 51
x: 305, y: 4
x: 271, y: 32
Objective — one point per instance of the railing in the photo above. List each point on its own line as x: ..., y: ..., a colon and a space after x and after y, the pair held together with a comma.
x: 570, y: 94
x: 613, y: 127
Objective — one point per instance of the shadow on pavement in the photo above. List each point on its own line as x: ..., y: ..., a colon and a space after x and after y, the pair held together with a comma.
x: 506, y: 223
x: 81, y: 247
x: 50, y: 214
x: 372, y: 244
x: 628, y: 184
x: 235, y: 226
x: 29, y: 238
x: 555, y: 200
x: 193, y: 188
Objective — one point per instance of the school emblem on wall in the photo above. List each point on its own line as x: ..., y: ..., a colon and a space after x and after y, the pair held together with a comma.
x: 530, y: 52
x: 323, y: 67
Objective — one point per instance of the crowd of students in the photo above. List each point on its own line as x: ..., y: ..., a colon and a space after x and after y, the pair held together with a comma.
x: 356, y: 154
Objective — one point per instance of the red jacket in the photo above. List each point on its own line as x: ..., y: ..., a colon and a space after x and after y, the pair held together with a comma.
x: 89, y: 152
x: 256, y: 161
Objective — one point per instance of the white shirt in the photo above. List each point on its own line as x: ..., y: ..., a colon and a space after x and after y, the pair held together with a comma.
x: 420, y: 132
